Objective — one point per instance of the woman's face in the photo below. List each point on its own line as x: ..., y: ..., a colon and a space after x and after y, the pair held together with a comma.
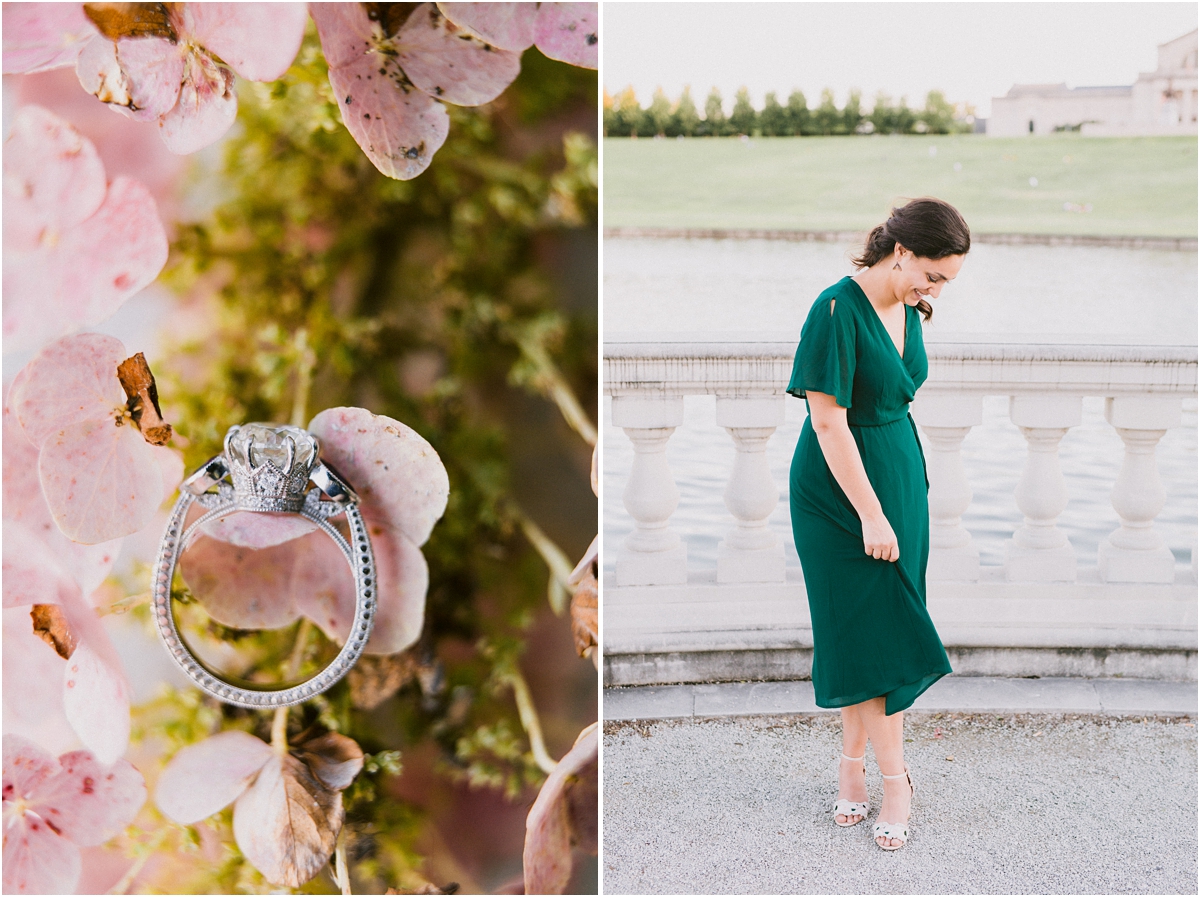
x: 921, y: 278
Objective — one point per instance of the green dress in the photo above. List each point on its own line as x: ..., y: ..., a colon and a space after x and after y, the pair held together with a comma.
x: 872, y: 635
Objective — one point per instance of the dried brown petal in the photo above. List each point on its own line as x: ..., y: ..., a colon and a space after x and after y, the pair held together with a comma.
x: 118, y: 20
x: 333, y: 758
x: 286, y: 823
x: 584, y: 623
x: 564, y: 816
x: 50, y: 625
x: 139, y: 386
x: 375, y: 679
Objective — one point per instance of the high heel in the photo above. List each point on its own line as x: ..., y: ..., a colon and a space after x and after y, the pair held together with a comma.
x: 894, y: 830
x: 852, y: 807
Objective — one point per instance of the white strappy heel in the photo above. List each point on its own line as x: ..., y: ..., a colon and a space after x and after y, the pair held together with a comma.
x: 851, y: 807
x: 894, y: 830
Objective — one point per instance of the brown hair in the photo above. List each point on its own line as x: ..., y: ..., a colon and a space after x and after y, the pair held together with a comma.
x: 928, y: 227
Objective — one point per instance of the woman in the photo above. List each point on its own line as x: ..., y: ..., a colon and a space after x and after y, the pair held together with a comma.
x: 860, y: 513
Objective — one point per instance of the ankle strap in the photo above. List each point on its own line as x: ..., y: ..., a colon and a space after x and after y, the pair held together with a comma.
x: 899, y: 775
x: 852, y: 759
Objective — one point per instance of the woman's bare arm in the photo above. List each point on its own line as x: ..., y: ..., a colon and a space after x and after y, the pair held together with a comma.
x: 841, y: 454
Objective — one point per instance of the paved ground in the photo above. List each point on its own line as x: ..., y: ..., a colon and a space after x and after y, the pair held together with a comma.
x: 970, y: 693
x: 1057, y: 802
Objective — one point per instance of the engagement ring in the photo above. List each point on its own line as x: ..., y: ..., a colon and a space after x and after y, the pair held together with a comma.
x: 266, y: 468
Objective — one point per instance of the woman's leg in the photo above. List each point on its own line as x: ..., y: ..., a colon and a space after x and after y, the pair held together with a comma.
x: 852, y: 781
x: 887, y: 739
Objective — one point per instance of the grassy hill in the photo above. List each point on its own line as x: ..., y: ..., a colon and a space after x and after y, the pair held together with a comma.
x: 1143, y: 186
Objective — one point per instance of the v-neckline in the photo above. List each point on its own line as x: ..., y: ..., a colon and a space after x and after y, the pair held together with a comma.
x: 904, y: 336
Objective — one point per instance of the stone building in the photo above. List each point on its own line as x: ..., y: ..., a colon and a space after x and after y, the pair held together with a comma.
x: 1162, y: 102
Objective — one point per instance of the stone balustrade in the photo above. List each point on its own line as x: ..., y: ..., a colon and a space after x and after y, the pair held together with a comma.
x: 1039, y: 613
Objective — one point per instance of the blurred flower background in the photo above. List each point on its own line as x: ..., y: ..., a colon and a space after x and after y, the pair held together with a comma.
x: 460, y: 302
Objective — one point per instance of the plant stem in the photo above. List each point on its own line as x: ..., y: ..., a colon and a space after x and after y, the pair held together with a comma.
x: 150, y: 849
x: 124, y: 605
x: 556, y: 560
x: 305, y: 362
x: 555, y: 386
x: 340, y: 867
x: 529, y: 719
x: 279, y: 723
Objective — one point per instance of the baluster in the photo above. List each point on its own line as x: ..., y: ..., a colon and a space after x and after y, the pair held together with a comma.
x: 946, y: 419
x: 1039, y: 550
x: 750, y: 552
x: 1135, y: 552
x: 653, y: 554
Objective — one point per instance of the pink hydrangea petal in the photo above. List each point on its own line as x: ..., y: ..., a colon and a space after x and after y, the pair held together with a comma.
x: 88, y: 271
x: 448, y: 63
x: 101, y: 481
x: 396, y: 125
x: 53, y: 180
x: 70, y: 381
x: 346, y: 31
x: 138, y: 77
x: 170, y: 462
x: 90, y: 801
x: 205, y: 777
x: 32, y: 574
x: 36, y: 860
x: 33, y: 689
x: 569, y: 32
x: 323, y: 589
x: 254, y: 529
x: 403, y: 584
x: 19, y: 469
x: 25, y: 506
x: 397, y: 474
x: 241, y: 587
x: 112, y: 255
x: 154, y: 69
x: 26, y: 766
x: 206, y: 109
x: 559, y: 817
x: 41, y: 36
x: 96, y: 701
x: 508, y: 26
x: 256, y: 40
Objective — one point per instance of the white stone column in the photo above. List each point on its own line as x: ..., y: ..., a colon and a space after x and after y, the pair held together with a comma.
x: 946, y: 419
x: 750, y: 552
x: 1135, y: 552
x: 652, y: 554
x: 1039, y: 550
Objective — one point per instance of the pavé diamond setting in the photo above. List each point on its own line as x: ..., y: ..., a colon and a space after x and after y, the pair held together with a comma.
x: 267, y: 468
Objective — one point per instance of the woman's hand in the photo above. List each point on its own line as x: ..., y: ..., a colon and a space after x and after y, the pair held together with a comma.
x: 879, y: 539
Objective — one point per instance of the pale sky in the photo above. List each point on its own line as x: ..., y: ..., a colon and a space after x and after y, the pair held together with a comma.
x: 970, y: 51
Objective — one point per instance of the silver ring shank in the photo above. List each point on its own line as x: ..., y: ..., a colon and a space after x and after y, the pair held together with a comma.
x: 358, y: 553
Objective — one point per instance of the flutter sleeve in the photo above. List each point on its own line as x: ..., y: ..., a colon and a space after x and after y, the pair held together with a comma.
x: 825, y: 356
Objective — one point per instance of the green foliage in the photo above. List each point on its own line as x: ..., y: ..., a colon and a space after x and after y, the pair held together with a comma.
x: 743, y: 119
x: 624, y: 117
x: 685, y: 119
x: 715, y: 123
x: 315, y: 282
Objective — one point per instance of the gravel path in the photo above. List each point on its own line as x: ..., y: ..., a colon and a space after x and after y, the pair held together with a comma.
x: 1020, y: 804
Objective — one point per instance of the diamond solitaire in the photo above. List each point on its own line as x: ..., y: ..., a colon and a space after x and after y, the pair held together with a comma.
x: 270, y: 465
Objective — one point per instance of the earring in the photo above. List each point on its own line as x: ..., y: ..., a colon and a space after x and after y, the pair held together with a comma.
x: 896, y: 267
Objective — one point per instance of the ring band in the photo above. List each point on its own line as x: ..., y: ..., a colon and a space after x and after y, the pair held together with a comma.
x: 267, y: 468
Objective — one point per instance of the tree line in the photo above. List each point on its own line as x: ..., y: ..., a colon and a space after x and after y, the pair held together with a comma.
x: 624, y: 116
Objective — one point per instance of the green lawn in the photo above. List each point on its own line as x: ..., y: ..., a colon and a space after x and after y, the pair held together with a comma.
x: 1136, y: 186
